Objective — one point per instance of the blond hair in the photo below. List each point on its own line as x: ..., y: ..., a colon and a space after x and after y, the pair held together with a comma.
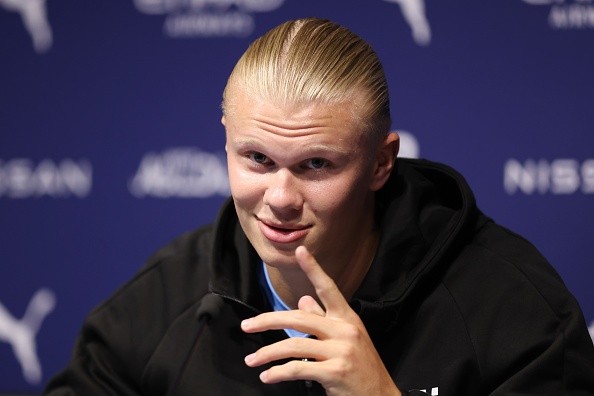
x: 315, y: 61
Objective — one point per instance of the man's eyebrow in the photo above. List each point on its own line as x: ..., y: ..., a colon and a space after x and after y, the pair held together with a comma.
x: 245, y: 141
x: 311, y: 148
x: 326, y: 148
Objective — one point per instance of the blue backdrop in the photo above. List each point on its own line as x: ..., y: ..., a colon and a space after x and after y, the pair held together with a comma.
x: 111, y: 143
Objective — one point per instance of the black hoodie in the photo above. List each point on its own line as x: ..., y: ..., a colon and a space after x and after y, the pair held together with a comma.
x: 455, y: 305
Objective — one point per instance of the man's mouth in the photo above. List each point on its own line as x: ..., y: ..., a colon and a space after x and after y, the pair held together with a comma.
x: 283, y: 233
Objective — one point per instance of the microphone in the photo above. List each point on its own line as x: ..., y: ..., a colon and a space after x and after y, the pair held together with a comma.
x: 210, y: 306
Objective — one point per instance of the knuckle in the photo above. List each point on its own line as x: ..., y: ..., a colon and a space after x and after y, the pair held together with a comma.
x: 293, y: 369
x: 300, y: 315
x: 260, y: 355
x: 299, y: 343
x: 352, y: 332
x: 349, y: 352
x: 340, y: 370
x: 288, y: 371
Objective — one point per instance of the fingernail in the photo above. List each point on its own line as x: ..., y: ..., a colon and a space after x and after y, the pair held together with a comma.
x: 249, y: 358
x: 263, y: 376
x: 245, y: 324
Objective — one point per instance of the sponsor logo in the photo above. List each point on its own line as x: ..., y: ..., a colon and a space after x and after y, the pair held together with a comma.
x: 22, y: 178
x: 557, y: 177
x: 409, y: 145
x: 207, y: 18
x: 184, y: 172
x: 34, y: 16
x: 568, y: 14
x: 20, y: 334
x: 414, y: 14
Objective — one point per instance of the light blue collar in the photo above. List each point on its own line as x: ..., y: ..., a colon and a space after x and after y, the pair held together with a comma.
x: 275, y: 301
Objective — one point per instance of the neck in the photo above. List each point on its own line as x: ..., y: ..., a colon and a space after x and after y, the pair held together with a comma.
x: 347, y: 270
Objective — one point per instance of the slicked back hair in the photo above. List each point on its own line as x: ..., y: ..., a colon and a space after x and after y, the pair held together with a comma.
x: 315, y: 61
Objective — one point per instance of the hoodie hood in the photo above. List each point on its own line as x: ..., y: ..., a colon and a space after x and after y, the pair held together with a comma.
x: 426, y: 212
x: 234, y: 263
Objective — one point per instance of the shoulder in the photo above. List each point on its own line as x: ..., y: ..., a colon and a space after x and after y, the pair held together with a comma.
x: 499, y: 262
x: 515, y: 307
x: 178, y: 271
x: 131, y: 323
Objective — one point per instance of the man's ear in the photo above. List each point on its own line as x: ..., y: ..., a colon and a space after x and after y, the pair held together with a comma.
x: 223, y: 122
x: 385, y: 159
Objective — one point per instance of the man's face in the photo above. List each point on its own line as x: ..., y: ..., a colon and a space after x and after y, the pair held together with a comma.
x: 299, y: 175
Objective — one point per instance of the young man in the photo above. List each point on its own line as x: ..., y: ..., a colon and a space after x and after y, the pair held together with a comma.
x: 335, y: 268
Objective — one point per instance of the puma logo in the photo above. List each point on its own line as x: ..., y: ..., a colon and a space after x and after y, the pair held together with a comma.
x: 20, y: 334
x: 414, y: 14
x: 34, y: 16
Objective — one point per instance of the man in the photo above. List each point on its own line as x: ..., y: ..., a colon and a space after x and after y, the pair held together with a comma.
x: 335, y: 268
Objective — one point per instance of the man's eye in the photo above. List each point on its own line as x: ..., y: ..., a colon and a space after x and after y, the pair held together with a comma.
x: 259, y: 158
x: 317, y: 163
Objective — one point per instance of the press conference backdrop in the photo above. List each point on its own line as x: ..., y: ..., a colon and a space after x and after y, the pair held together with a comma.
x: 111, y: 143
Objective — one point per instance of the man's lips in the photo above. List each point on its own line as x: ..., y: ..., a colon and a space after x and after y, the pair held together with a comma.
x: 283, y: 233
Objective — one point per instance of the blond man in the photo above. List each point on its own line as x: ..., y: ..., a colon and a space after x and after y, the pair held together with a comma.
x: 334, y: 268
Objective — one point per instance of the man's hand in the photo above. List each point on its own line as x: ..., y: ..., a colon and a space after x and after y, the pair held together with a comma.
x: 342, y: 358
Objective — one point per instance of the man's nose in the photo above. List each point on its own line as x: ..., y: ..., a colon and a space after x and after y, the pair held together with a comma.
x: 283, y: 191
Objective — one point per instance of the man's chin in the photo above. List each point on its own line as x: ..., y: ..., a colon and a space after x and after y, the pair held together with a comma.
x: 278, y: 258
